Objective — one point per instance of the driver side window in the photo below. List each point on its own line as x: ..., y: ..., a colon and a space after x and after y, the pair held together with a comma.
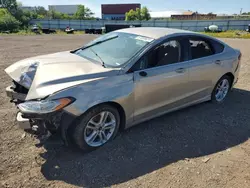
x: 164, y: 54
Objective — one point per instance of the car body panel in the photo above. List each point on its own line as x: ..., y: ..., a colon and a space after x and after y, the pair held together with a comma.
x: 58, y: 71
x: 154, y: 32
x: 139, y: 103
x: 163, y: 90
x: 204, y: 73
x: 162, y: 86
x: 118, y: 89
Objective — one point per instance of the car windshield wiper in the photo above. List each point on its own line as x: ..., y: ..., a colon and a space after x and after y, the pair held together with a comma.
x: 103, y: 64
x: 99, y: 42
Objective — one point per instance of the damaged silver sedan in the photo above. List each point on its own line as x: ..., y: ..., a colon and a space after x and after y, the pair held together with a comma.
x: 118, y: 80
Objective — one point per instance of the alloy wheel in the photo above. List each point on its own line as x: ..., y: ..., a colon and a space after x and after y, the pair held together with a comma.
x: 222, y: 90
x: 100, y: 129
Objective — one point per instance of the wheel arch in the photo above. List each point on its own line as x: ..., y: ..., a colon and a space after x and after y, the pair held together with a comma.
x: 120, y: 110
x: 231, y: 76
x: 113, y: 104
x: 68, y: 130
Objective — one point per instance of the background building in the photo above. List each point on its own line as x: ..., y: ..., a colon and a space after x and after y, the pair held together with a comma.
x: 189, y: 15
x: 29, y: 8
x: 158, y: 15
x: 117, y: 11
x: 66, y: 9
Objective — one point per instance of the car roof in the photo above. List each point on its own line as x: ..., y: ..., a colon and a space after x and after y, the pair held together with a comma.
x: 153, y: 32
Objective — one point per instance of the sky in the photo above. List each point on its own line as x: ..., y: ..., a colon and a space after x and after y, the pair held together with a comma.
x: 202, y: 6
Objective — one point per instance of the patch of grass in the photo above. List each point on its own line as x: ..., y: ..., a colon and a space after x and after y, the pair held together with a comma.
x: 20, y: 32
x: 61, y: 32
x: 29, y: 32
x: 229, y: 34
x: 24, y: 32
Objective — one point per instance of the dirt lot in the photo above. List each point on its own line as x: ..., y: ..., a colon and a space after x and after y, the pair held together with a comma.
x: 201, y: 146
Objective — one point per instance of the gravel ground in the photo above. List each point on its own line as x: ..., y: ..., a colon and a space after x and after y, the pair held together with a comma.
x: 205, y: 145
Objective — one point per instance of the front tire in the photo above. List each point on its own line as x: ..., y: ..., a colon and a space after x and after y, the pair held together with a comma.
x: 221, y: 89
x: 96, y: 127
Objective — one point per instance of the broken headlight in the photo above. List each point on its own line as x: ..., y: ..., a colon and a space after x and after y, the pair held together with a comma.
x: 45, y: 106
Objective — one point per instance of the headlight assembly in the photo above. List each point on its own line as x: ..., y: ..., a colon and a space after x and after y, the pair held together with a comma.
x: 45, y: 106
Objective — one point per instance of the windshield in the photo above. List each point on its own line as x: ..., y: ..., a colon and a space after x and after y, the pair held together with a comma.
x: 114, y: 49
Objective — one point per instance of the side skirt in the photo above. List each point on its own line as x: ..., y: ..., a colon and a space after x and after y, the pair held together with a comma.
x: 207, y: 98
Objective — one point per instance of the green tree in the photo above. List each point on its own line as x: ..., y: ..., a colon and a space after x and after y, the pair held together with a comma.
x: 39, y: 16
x: 54, y: 14
x: 10, y: 5
x: 138, y: 14
x: 145, y: 15
x: 16, y: 17
x: 246, y: 13
x: 8, y: 22
x: 131, y: 15
x: 3, y: 11
x: 83, y: 13
x: 41, y: 11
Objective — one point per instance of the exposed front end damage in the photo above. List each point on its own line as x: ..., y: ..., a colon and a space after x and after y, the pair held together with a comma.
x: 16, y: 92
x: 41, y: 125
x: 48, y: 91
x: 45, y: 125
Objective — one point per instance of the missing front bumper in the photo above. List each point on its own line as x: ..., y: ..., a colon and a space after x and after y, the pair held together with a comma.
x: 36, y: 127
x: 40, y: 125
x: 44, y: 125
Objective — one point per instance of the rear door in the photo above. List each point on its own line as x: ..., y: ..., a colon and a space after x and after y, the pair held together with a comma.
x: 205, y: 66
x: 161, y: 79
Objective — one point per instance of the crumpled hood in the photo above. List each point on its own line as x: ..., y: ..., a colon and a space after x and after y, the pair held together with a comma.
x: 57, y: 71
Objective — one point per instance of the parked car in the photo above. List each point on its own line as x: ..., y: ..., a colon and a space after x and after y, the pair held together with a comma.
x: 35, y: 29
x: 213, y: 28
x: 69, y: 30
x: 48, y: 31
x: 248, y: 28
x: 93, y: 31
x: 118, y: 80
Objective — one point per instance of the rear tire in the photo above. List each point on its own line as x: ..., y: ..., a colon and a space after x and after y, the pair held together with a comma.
x: 91, y: 133
x: 221, y: 89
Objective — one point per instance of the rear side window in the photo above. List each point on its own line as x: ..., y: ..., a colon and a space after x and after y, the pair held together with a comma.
x: 218, y: 47
x: 200, y: 48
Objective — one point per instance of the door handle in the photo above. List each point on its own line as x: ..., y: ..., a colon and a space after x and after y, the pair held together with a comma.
x: 218, y: 62
x: 143, y: 73
x: 180, y: 70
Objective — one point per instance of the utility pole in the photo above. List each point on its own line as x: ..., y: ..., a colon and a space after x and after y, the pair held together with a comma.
x: 240, y: 11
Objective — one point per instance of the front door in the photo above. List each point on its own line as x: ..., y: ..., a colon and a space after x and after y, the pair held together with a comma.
x: 162, y: 81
